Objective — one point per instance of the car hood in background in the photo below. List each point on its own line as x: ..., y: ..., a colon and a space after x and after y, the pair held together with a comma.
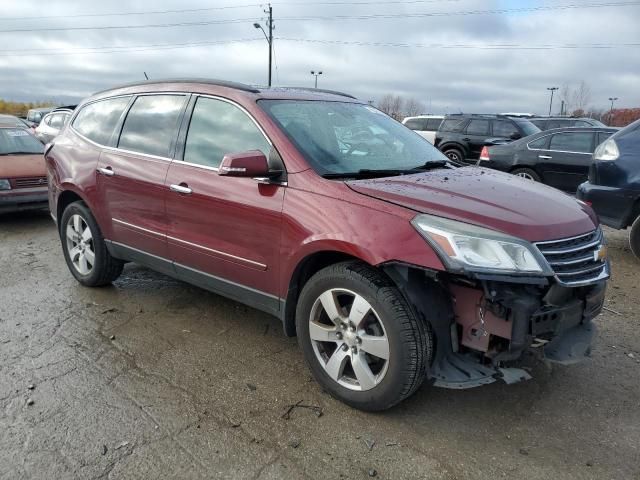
x: 12, y: 166
x: 484, y: 197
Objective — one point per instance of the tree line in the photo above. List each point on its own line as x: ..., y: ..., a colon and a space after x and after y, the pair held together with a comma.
x: 20, y: 109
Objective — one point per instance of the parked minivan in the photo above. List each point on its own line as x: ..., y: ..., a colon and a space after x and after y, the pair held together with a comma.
x: 390, y: 264
x: 613, y: 188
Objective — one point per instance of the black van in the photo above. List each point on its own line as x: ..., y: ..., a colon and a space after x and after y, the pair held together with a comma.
x: 613, y: 188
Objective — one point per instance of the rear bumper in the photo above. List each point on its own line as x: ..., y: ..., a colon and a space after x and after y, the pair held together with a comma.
x: 612, y: 204
x: 12, y: 201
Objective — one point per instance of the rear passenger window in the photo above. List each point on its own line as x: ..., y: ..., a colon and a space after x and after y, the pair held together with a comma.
x: 151, y: 126
x: 572, y: 142
x: 97, y: 120
x: 56, y: 121
x: 218, y: 128
x: 478, y: 127
x: 503, y: 128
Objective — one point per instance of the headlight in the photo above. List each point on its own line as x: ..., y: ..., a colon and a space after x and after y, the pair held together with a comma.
x: 4, y: 184
x: 607, y: 150
x: 463, y: 246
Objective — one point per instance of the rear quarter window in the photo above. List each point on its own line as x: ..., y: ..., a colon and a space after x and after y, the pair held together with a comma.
x: 97, y: 120
x: 451, y: 125
x: 416, y: 124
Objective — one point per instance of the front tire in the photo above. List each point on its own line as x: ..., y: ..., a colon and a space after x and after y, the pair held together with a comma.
x: 454, y: 154
x: 360, y: 338
x: 84, y: 248
x: 634, y: 237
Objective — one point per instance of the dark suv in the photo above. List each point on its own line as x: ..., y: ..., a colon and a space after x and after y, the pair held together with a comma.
x: 462, y: 136
x: 547, y: 123
x: 613, y: 188
x: 391, y: 265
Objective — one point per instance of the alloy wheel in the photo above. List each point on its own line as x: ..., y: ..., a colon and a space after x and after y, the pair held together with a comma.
x: 349, y: 339
x: 525, y: 175
x: 80, y: 244
x: 453, y: 156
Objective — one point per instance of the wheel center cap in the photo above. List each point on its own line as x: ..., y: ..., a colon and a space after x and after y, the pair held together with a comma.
x: 350, y: 338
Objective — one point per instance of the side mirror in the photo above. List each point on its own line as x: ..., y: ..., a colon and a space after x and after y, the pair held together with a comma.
x: 515, y: 136
x: 245, y: 164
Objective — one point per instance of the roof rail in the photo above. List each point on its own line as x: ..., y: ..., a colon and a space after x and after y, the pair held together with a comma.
x: 209, y: 81
x: 320, y: 90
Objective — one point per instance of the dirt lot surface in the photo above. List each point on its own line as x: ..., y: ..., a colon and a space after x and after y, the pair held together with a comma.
x: 153, y: 378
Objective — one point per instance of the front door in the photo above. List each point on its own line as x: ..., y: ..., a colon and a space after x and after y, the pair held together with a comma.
x: 224, y: 232
x: 476, y: 134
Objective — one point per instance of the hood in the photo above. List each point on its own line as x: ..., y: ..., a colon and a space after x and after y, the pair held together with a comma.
x: 487, y: 198
x: 15, y: 166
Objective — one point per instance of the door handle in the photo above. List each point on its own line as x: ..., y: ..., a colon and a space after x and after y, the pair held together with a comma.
x: 466, y: 139
x: 108, y: 171
x: 180, y: 189
x: 545, y: 157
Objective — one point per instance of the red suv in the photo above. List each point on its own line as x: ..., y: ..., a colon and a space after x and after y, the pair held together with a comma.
x: 391, y: 265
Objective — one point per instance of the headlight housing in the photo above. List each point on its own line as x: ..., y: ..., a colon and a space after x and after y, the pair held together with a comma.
x: 4, y: 184
x: 607, y: 150
x: 465, y: 247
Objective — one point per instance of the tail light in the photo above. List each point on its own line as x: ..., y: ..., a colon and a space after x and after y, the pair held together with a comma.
x: 484, y: 154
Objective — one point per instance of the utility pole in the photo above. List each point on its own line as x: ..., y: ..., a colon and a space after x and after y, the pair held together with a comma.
x: 314, y: 73
x: 611, y: 99
x: 269, y: 37
x: 562, y: 108
x: 551, y: 89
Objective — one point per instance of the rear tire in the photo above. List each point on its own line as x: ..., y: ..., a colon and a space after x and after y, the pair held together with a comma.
x: 634, y: 237
x: 454, y: 155
x: 331, y: 334
x: 527, y: 173
x: 84, y: 248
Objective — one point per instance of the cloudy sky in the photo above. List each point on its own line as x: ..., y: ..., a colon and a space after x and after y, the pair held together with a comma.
x: 442, y: 52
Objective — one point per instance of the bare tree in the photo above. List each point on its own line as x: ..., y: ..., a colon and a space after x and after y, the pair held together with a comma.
x: 391, y: 105
x: 412, y: 107
x: 581, y: 96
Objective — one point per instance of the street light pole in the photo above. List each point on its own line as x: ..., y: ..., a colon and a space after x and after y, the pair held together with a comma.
x: 611, y: 99
x: 313, y: 72
x: 551, y: 89
x: 269, y: 37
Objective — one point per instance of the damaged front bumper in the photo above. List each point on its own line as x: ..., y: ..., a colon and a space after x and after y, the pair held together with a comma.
x: 482, y: 327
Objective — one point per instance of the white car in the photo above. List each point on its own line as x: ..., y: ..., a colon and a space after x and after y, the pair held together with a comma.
x: 51, y: 125
x: 424, y: 125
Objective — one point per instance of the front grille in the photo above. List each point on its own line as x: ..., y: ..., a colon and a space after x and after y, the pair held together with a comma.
x: 575, y: 260
x: 30, y: 182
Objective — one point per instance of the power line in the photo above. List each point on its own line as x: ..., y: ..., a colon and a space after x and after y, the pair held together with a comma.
x: 498, y: 46
x: 124, y: 14
x: 336, y: 17
x: 119, y: 49
x: 499, y: 11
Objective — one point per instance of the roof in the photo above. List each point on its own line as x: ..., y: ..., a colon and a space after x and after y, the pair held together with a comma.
x: 259, y: 91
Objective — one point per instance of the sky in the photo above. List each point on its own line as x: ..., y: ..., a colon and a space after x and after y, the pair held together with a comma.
x: 451, y: 55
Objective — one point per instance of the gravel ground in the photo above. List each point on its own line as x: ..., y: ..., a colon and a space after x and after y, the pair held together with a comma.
x: 153, y: 378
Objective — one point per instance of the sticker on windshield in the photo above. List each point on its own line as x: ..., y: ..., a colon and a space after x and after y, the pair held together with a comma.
x: 17, y: 133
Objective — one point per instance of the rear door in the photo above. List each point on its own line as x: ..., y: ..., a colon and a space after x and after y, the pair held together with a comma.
x: 565, y: 164
x: 131, y: 177
x: 224, y: 232
x: 476, y: 133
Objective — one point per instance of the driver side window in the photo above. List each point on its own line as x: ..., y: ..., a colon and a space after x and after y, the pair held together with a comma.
x: 218, y: 128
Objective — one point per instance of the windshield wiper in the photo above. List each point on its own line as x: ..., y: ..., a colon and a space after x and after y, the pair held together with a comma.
x: 389, y: 172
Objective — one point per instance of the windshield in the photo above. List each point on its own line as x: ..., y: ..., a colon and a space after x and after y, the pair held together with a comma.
x: 527, y: 127
x: 17, y: 140
x: 340, y: 138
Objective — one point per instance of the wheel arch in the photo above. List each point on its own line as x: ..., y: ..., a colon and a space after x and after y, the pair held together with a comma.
x: 303, y: 271
x: 65, y: 198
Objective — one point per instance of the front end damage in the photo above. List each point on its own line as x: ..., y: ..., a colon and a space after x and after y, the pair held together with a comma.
x: 482, y: 326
